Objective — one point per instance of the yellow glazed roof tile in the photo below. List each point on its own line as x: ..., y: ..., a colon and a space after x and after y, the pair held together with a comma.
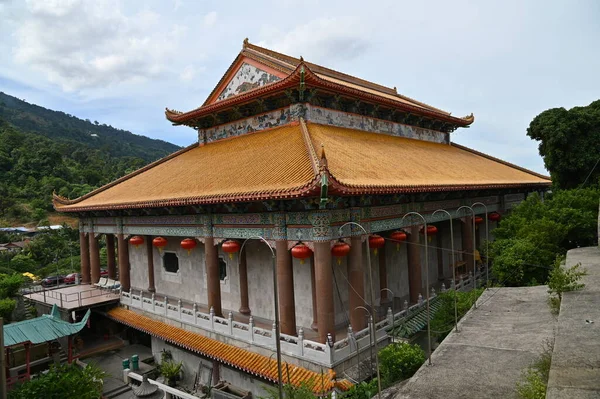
x: 259, y: 365
x: 358, y: 159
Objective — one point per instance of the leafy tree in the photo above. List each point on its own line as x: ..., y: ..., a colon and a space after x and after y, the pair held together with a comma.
x: 66, y: 381
x: 23, y: 263
x: 569, y: 143
x: 530, y: 238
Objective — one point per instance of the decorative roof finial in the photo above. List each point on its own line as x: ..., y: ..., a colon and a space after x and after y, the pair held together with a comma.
x: 301, y: 59
x: 245, y: 43
x: 323, y: 151
x: 396, y: 90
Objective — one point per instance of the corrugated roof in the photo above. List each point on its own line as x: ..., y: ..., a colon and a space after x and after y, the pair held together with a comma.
x: 45, y: 328
x: 250, y: 362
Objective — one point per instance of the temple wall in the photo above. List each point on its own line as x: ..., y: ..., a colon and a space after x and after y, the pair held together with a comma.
x: 397, y: 270
x: 260, y: 280
x: 324, y: 116
x: 303, y: 293
x: 342, y: 314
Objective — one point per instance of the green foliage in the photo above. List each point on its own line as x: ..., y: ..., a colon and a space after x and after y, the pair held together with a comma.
x: 399, y: 361
x: 363, y: 390
x: 7, y: 306
x: 563, y: 279
x: 10, y: 285
x: 291, y: 392
x: 569, y: 143
x: 42, y: 151
x: 443, y: 320
x: 66, y: 381
x: 529, y: 239
x: 171, y: 371
x: 534, y: 380
x: 23, y: 263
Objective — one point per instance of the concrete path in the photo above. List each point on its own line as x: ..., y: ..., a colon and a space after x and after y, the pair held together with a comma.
x: 575, y: 370
x: 495, y: 343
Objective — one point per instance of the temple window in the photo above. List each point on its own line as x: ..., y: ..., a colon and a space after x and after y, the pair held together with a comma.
x: 222, y: 269
x: 170, y: 262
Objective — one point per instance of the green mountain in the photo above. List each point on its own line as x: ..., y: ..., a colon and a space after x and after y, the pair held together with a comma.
x: 59, y: 126
x: 42, y: 151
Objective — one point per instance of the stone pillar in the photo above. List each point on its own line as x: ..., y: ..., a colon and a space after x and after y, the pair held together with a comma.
x: 244, y: 305
x: 150, y: 258
x: 356, y: 279
x: 84, y: 252
x: 110, y: 256
x: 467, y: 241
x: 324, y: 285
x: 94, y: 258
x: 123, y: 255
x: 213, y: 283
x: 313, y: 288
x: 285, y: 281
x: 414, y: 264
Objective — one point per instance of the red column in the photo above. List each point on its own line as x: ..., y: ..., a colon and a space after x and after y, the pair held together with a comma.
x: 314, y: 325
x: 85, y: 258
x: 94, y: 258
x: 440, y: 252
x: 383, y: 283
x: 150, y: 258
x: 467, y: 241
x: 324, y: 285
x: 70, y: 349
x: 213, y: 283
x: 285, y: 281
x: 244, y: 304
x: 110, y: 256
x: 123, y: 254
x: 356, y: 280
x: 414, y: 264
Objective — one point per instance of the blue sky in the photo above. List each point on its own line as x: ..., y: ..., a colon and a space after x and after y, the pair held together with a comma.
x: 123, y: 62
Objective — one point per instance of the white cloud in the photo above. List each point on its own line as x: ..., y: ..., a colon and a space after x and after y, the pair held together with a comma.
x: 187, y: 74
x: 210, y: 19
x: 341, y: 38
x: 82, y: 45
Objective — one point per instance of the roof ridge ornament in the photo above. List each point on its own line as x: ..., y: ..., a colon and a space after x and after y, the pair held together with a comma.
x: 245, y: 43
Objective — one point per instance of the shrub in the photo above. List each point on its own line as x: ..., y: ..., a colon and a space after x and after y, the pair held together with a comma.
x: 363, y: 390
x: 443, y: 321
x: 66, y: 381
x: 10, y: 285
x: 399, y: 361
x: 7, y: 306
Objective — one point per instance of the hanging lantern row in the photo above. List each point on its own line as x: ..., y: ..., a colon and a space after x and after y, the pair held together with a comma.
x: 478, y: 221
x: 301, y: 251
x: 230, y: 247
x: 494, y: 217
x: 136, y: 241
x: 431, y: 231
x: 375, y: 242
x: 160, y: 243
x: 188, y: 244
x: 339, y: 250
x: 398, y: 236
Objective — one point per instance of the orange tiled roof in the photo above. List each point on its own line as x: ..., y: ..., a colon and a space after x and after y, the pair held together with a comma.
x: 250, y: 362
x: 267, y: 164
x: 282, y: 163
x: 372, y: 162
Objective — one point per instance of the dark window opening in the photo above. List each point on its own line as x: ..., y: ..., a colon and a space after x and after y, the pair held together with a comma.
x: 222, y: 269
x: 171, y: 262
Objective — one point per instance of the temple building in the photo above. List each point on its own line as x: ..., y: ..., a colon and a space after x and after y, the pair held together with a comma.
x: 288, y: 153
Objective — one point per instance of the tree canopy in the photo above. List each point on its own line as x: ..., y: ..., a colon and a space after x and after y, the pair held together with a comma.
x: 569, y: 143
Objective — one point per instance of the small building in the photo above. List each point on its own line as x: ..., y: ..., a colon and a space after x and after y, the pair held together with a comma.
x: 288, y: 153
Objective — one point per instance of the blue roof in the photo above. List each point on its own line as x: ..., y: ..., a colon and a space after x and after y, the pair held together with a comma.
x: 45, y: 328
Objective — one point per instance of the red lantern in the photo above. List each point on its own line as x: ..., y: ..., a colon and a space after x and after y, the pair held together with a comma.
x: 478, y: 221
x: 188, y: 244
x: 301, y: 251
x: 160, y: 243
x: 494, y: 217
x: 231, y: 247
x: 339, y: 250
x: 375, y: 242
x: 136, y: 241
x: 431, y: 231
x: 398, y: 236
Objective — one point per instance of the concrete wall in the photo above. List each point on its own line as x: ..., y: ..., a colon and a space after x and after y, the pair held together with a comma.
x: 397, y: 269
x: 303, y: 293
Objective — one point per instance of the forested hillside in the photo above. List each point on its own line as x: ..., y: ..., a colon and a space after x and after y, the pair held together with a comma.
x: 42, y: 151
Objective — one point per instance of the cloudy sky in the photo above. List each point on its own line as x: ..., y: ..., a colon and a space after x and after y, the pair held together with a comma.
x: 123, y: 62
